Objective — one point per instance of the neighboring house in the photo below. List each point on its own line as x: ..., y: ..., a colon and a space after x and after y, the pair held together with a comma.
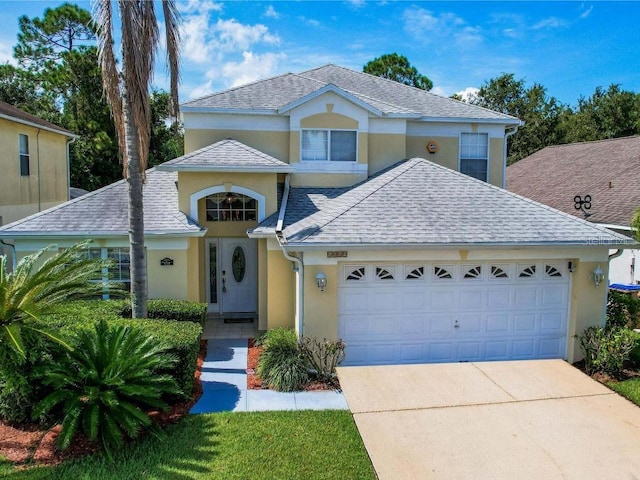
x: 607, y: 170
x: 34, y: 160
x: 303, y: 199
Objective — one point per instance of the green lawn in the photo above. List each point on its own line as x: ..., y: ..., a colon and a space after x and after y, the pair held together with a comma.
x: 259, y: 445
x: 629, y: 389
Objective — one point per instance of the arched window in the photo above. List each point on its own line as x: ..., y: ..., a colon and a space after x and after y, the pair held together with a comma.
x: 231, y: 207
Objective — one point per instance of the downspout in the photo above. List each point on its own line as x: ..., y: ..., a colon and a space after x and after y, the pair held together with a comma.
x: 39, y: 183
x: 297, y: 260
x: 507, y: 134
x: 14, y: 261
x: 616, y: 254
x: 69, y: 142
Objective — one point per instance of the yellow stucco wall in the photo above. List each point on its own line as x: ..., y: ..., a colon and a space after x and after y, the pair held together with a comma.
x: 587, y: 305
x: 329, y: 120
x: 321, y: 308
x: 385, y: 150
x: 272, y: 143
x: 196, y: 287
x: 168, y: 281
x: 280, y: 291
x: 47, y: 182
x: 496, y: 162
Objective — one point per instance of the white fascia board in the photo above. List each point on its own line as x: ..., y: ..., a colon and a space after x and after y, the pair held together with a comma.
x: 244, y: 111
x: 35, y: 125
x: 305, y: 246
x: 616, y: 227
x: 338, y: 91
x: 239, y: 169
x: 271, y: 233
x: 503, y: 121
x: 97, y: 234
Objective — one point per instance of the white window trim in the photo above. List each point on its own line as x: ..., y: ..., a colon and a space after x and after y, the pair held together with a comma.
x: 488, y: 153
x: 193, y: 199
x: 329, y: 161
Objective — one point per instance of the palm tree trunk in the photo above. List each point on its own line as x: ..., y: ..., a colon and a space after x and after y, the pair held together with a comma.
x: 139, y: 292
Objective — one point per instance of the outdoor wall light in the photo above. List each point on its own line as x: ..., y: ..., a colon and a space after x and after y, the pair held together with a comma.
x: 598, y: 276
x: 571, y: 265
x: 321, y: 281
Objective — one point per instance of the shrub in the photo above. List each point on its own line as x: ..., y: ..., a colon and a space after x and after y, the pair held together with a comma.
x: 281, y: 365
x: 623, y: 310
x: 179, y: 310
x: 105, y: 383
x: 606, y: 349
x: 323, y: 356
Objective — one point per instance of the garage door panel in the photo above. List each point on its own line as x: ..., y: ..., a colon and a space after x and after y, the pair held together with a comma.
x: 434, y: 318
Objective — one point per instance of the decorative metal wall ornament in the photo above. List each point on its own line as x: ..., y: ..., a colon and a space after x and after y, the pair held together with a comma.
x: 583, y: 204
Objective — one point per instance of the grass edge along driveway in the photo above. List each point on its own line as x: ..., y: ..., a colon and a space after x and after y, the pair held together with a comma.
x: 266, y: 445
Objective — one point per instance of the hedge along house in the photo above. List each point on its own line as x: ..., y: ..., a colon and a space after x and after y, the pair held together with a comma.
x: 346, y: 205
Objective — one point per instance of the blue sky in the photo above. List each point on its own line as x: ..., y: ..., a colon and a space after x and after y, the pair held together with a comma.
x: 569, y: 47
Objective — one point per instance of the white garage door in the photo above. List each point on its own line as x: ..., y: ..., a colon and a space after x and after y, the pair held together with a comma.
x: 414, y: 313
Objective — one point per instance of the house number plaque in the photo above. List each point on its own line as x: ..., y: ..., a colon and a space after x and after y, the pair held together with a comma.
x: 336, y: 254
x: 166, y: 262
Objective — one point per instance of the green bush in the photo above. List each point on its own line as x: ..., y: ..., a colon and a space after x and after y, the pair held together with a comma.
x: 606, y: 349
x: 105, y: 384
x: 281, y: 365
x: 181, y: 338
x: 167, y: 309
x: 623, y: 310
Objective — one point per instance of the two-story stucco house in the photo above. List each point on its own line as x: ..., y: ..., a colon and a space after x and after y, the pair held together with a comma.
x: 346, y: 205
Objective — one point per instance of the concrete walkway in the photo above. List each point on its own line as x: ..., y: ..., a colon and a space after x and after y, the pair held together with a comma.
x: 224, y: 384
x: 539, y: 419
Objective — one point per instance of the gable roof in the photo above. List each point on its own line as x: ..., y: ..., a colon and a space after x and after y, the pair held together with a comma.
x: 226, y: 156
x: 104, y: 213
x: 9, y: 112
x: 419, y: 203
x: 274, y: 95
x: 608, y: 170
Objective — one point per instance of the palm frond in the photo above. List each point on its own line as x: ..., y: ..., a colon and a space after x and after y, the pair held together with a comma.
x: 172, y: 33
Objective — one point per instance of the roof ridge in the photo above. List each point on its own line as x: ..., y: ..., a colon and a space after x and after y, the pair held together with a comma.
x: 629, y: 137
x: 528, y: 200
x: 237, y: 87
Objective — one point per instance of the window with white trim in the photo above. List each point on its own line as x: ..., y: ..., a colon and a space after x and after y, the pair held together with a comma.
x: 23, y: 142
x: 120, y: 270
x: 329, y: 145
x: 474, y: 155
x: 231, y: 207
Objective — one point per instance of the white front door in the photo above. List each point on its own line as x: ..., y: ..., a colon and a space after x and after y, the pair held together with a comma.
x: 232, y: 275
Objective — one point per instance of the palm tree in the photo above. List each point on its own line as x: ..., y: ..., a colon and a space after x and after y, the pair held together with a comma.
x: 127, y: 93
x: 28, y: 292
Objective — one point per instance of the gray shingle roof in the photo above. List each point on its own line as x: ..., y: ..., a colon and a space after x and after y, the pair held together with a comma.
x: 417, y: 202
x: 391, y: 98
x: 608, y: 170
x: 104, y: 213
x: 21, y: 116
x: 226, y: 155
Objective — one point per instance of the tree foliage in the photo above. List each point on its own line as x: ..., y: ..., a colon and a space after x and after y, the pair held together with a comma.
x: 397, y: 68
x: 59, y: 79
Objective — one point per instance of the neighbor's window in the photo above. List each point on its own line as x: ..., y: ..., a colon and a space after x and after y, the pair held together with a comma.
x: 329, y: 145
x: 474, y: 155
x: 231, y: 207
x: 24, y: 154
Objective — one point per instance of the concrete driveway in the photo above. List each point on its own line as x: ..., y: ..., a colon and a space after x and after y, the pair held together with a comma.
x: 539, y: 419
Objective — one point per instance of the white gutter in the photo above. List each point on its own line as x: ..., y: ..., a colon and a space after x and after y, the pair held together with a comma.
x: 507, y: 134
x: 292, y: 258
x: 35, y: 125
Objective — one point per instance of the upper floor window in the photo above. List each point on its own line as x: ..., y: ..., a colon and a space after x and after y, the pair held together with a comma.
x: 24, y: 154
x: 474, y: 155
x: 229, y: 207
x: 329, y: 145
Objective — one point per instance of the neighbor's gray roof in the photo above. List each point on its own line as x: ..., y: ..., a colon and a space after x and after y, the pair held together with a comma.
x: 104, y: 213
x: 607, y: 170
x: 417, y: 202
x: 387, y: 96
x: 10, y: 112
x: 226, y: 156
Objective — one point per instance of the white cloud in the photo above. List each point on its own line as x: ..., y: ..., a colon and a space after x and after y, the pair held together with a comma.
x: 270, y: 12
x: 438, y: 90
x: 6, y: 55
x: 468, y: 93
x: 251, y: 68
x: 201, y: 90
x: 199, y: 6
x: 439, y: 28
x: 233, y: 35
x: 196, y: 44
x: 551, y: 22
x: 309, y: 21
x: 587, y: 12
x: 357, y: 3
